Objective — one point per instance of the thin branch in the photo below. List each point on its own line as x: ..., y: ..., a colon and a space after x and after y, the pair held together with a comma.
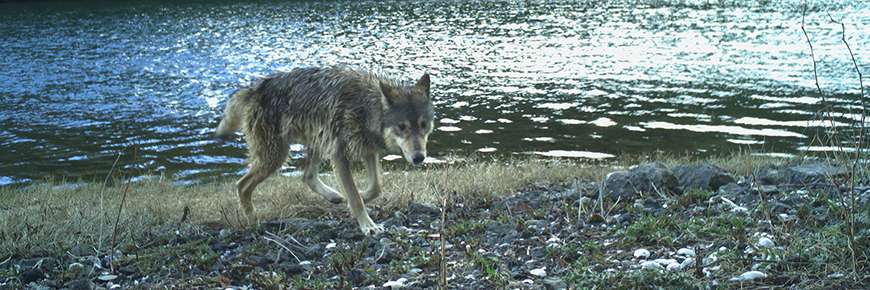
x: 858, y: 149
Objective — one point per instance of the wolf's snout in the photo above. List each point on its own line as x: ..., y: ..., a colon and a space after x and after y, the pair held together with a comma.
x: 418, y: 158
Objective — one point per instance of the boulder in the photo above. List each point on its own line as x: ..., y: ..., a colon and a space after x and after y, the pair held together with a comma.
x: 813, y: 173
x: 642, y: 179
x: 703, y: 176
x: 799, y: 174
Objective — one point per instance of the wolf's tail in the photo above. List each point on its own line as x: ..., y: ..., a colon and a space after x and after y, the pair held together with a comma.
x: 234, y: 114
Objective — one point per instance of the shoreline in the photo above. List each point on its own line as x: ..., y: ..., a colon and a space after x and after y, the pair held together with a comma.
x: 547, y: 217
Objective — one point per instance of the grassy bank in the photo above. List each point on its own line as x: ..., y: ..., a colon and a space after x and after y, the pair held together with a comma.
x: 53, y: 216
x: 50, y: 219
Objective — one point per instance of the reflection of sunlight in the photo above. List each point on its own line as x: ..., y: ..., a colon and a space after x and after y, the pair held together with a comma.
x: 459, y: 104
x: 486, y: 149
x: 483, y: 131
x: 212, y: 101
x: 603, y: 122
x: 744, y: 141
x: 575, y: 154
x: 722, y: 129
x: 634, y: 128
x: 392, y: 157
x: 449, y: 129
x: 540, y: 119
x: 448, y: 121
x: 540, y: 139
x: 571, y: 121
x: 825, y: 149
x: 556, y: 106
x: 768, y: 122
x: 801, y: 100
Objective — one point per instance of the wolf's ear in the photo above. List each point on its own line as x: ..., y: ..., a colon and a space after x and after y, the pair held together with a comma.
x: 423, y: 84
x: 390, y: 93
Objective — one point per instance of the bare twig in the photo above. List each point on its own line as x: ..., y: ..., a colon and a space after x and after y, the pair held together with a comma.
x: 103, y: 191
x: 284, y: 244
x: 442, y: 277
x: 858, y: 150
x: 121, y: 206
x: 849, y: 214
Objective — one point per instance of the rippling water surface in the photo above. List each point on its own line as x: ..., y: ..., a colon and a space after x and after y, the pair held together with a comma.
x: 81, y: 82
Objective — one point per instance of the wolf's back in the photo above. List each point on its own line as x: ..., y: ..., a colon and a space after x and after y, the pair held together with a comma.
x: 234, y: 114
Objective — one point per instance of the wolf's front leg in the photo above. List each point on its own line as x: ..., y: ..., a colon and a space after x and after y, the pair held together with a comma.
x: 354, y: 200
x: 373, y: 171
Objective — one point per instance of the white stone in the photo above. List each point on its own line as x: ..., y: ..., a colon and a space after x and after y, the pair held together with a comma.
x: 766, y: 243
x: 641, y: 253
x: 687, y: 263
x: 399, y: 283
x: 540, y: 272
x: 651, y: 264
x: 749, y: 276
x: 686, y: 252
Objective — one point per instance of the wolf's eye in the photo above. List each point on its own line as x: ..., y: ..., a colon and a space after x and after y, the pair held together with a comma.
x: 402, y: 126
x: 424, y: 125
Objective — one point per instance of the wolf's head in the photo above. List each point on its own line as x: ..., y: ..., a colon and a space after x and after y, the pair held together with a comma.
x: 408, y: 118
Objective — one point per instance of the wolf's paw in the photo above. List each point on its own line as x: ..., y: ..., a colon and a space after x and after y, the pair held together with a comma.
x: 371, y: 230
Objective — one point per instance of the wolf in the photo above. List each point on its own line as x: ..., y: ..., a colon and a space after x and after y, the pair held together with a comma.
x: 340, y: 113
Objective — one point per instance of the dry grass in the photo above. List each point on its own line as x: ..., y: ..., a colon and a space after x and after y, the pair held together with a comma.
x: 51, y: 217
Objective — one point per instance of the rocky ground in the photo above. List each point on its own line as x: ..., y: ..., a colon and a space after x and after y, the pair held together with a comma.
x: 692, y: 226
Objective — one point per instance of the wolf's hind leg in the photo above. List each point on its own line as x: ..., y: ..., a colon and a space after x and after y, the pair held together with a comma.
x: 312, y: 168
x: 266, y: 158
x: 373, y: 171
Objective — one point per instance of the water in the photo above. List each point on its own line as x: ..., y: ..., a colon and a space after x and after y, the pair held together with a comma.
x: 83, y: 82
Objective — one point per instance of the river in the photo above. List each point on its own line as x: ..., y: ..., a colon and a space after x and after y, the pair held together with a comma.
x: 93, y: 87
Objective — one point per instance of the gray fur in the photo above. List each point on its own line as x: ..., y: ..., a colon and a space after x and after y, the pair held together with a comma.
x: 336, y: 112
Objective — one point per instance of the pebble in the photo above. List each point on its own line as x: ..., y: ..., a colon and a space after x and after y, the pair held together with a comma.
x: 399, y: 283
x: 686, y: 252
x: 650, y: 264
x: 641, y: 253
x: 665, y: 262
x: 766, y: 243
x: 540, y: 272
x: 749, y: 276
x: 687, y: 263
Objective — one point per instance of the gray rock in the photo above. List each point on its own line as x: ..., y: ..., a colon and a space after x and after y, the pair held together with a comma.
x: 552, y: 283
x: 501, y: 233
x: 423, y: 208
x: 799, y: 174
x: 730, y: 189
x: 770, y: 176
x: 703, y: 176
x: 31, y: 275
x: 356, y: 277
x: 384, y: 254
x: 80, y: 284
x: 643, y: 179
x: 255, y: 260
x: 82, y: 250
x: 291, y: 268
x: 813, y: 173
x: 128, y: 270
